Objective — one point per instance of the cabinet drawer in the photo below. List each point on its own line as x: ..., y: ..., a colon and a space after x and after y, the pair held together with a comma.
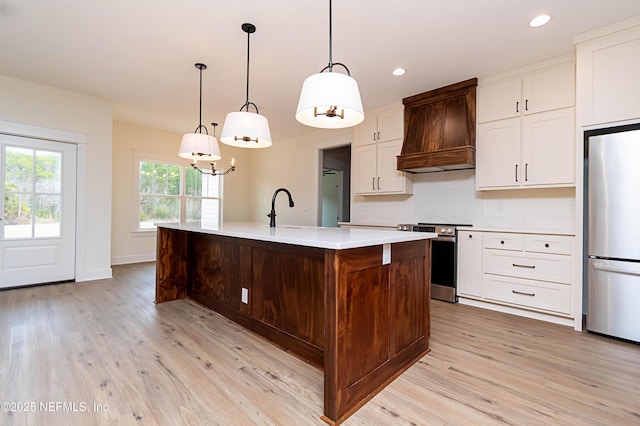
x: 533, y: 294
x: 544, y: 267
x: 502, y: 241
x: 555, y: 244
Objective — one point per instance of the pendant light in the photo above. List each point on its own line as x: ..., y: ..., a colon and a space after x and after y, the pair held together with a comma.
x: 330, y: 100
x: 246, y: 129
x: 197, y: 145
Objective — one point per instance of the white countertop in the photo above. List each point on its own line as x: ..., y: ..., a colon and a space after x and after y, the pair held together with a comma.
x: 517, y: 230
x: 310, y: 236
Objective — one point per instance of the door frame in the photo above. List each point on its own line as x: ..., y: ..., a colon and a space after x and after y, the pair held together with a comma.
x: 66, y: 136
x: 328, y: 163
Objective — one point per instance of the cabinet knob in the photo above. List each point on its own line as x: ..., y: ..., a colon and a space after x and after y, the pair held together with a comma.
x: 470, y: 236
x: 546, y: 245
x: 501, y: 242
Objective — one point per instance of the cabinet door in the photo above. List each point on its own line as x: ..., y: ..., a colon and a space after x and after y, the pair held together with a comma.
x: 609, y: 85
x: 367, y: 131
x: 548, y: 148
x: 364, y: 169
x: 500, y: 99
x: 549, y: 89
x: 498, y: 154
x: 389, y: 179
x: 391, y: 125
x: 470, y: 263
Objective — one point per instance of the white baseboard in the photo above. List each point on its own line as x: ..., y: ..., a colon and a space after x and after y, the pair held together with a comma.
x: 569, y: 322
x: 95, y: 274
x: 138, y: 258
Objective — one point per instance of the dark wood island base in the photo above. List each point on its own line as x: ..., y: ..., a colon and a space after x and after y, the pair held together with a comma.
x: 361, y: 321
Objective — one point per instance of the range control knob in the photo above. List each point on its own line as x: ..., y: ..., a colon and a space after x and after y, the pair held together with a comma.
x: 450, y: 231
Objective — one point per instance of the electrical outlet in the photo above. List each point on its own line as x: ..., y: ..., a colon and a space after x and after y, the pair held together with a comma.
x: 245, y: 295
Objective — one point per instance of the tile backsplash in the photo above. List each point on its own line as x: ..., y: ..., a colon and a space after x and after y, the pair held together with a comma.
x: 450, y: 197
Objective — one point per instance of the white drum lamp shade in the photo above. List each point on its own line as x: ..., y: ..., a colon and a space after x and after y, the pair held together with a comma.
x: 245, y: 129
x: 325, y: 91
x: 199, y: 147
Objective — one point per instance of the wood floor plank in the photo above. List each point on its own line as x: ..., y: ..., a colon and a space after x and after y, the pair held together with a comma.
x: 106, y: 343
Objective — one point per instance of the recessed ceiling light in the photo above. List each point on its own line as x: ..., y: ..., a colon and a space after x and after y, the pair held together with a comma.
x: 399, y: 71
x: 539, y: 21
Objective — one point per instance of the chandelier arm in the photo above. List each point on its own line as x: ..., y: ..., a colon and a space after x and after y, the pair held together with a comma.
x: 214, y: 171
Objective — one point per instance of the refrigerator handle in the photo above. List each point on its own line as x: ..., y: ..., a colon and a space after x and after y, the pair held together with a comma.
x: 598, y: 266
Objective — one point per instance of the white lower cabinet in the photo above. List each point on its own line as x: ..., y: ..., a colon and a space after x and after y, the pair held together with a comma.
x: 527, y: 271
x: 469, y: 263
x: 527, y: 293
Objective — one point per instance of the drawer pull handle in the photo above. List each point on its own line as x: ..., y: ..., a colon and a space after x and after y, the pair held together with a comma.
x: 517, y: 265
x: 522, y: 293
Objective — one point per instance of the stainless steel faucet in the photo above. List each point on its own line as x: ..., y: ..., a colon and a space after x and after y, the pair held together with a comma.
x: 272, y: 215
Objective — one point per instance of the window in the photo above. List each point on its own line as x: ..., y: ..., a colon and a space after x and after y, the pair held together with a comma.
x: 171, y: 192
x: 32, y: 192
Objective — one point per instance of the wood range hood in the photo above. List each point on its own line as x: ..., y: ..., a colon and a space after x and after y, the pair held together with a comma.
x: 440, y: 129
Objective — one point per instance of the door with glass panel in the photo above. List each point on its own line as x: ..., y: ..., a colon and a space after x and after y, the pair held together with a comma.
x: 38, y: 223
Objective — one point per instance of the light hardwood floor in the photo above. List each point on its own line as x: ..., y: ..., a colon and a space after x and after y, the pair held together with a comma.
x: 105, y: 350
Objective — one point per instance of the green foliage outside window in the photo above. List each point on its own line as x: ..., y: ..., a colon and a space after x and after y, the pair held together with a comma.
x: 32, y: 186
x: 161, y: 197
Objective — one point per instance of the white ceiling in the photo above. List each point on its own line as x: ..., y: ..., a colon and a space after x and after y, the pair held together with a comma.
x: 140, y: 54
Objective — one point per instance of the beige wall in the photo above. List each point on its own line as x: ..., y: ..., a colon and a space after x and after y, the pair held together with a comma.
x: 48, y: 107
x: 293, y: 164
x: 127, y: 244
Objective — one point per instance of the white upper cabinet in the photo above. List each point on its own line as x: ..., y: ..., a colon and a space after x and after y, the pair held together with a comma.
x: 544, y: 90
x: 384, y: 126
x: 547, y: 148
x: 525, y: 133
x: 549, y: 89
x: 498, y: 153
x: 390, y: 125
x: 608, y: 70
x: 378, y: 141
x: 499, y: 100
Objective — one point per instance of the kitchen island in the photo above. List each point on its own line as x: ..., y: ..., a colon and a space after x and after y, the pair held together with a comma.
x: 353, y: 302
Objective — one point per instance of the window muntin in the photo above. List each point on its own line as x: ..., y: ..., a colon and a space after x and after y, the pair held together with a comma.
x: 174, y: 193
x: 33, y: 196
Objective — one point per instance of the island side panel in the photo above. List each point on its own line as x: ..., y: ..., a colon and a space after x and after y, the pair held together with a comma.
x: 219, y: 267
x: 368, y: 308
x: 288, y: 290
x: 171, y: 265
x: 410, y: 297
x: 283, y: 282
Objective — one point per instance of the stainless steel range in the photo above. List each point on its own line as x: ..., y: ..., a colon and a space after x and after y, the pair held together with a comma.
x: 443, y: 258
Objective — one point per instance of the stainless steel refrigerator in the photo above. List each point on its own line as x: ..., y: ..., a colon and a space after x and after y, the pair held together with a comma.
x: 613, y: 213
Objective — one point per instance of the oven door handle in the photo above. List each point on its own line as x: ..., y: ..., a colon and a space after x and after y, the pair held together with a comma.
x: 445, y: 239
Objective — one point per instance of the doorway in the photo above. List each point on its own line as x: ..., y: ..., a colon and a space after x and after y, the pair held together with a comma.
x: 335, y: 186
x: 38, y: 205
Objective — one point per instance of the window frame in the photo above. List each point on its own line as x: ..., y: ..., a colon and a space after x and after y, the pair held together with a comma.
x: 143, y: 156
